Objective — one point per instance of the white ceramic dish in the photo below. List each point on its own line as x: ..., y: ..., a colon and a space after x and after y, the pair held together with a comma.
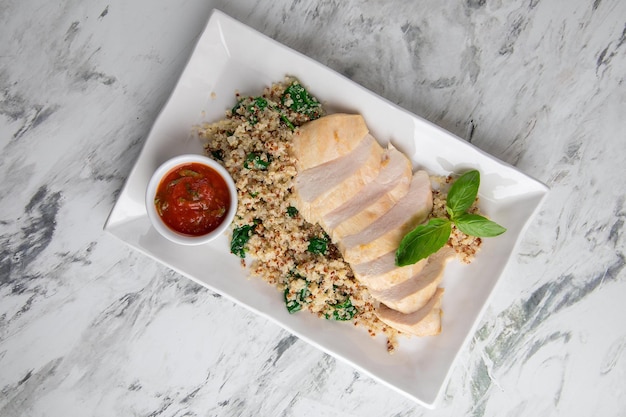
x: 230, y: 57
x: 156, y: 220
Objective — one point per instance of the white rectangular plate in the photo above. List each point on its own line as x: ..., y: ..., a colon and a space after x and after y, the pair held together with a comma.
x: 230, y: 57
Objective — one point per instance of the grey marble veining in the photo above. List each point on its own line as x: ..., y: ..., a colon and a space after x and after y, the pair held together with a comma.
x: 89, y: 327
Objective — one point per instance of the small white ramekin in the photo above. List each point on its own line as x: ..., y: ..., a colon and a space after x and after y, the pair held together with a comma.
x: 156, y: 220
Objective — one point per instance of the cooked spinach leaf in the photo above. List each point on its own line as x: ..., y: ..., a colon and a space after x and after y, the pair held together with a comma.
x: 255, y: 160
x: 241, y: 236
x: 236, y: 107
x: 299, y: 100
x: 292, y: 211
x: 318, y: 245
x: 295, y: 304
x: 218, y: 154
x: 343, y: 311
x: 259, y: 102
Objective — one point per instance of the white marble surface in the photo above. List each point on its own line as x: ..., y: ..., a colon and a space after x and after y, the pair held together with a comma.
x: 90, y: 327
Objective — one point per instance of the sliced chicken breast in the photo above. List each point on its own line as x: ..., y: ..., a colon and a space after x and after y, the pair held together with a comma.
x: 327, y: 138
x: 374, y: 200
x: 325, y: 187
x: 382, y: 272
x: 413, y: 294
x: 424, y: 322
x: 385, y: 234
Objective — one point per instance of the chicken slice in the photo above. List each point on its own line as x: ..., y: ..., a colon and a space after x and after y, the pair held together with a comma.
x: 325, y: 187
x: 374, y: 200
x: 327, y: 138
x: 424, y: 322
x: 413, y: 294
x: 382, y: 272
x: 385, y: 234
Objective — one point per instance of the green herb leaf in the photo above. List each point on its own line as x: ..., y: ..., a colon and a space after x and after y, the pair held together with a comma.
x: 301, y: 101
x: 476, y: 225
x: 292, y: 211
x: 294, y: 305
x: 462, y: 193
x: 237, y: 106
x: 284, y: 118
x: 343, y: 311
x: 427, y: 239
x: 257, y: 103
x: 423, y: 241
x: 256, y: 161
x: 260, y: 102
x: 218, y: 154
x: 318, y: 245
x: 287, y: 122
x: 189, y: 173
x: 241, y: 235
x: 159, y: 208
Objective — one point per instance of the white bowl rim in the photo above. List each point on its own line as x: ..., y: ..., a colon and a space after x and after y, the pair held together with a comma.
x: 156, y: 220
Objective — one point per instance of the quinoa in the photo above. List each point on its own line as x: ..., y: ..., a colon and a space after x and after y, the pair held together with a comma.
x: 253, y: 143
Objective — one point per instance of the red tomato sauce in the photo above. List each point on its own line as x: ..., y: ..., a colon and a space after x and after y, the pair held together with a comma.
x: 192, y: 199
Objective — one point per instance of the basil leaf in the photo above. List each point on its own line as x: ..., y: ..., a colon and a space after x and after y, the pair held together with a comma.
x: 423, y: 241
x: 476, y: 225
x: 462, y: 193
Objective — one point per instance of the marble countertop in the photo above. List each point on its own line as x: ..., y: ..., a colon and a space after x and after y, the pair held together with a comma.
x: 90, y: 327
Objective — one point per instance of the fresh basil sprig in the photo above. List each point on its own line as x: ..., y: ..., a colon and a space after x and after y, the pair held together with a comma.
x: 428, y: 238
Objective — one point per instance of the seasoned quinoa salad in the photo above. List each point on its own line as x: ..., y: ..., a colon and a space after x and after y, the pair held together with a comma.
x: 253, y: 143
